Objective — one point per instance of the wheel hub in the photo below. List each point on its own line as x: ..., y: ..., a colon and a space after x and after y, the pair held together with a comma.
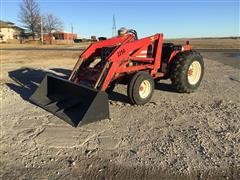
x: 194, y: 72
x: 144, y: 89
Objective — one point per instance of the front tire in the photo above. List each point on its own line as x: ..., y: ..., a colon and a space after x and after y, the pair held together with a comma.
x: 140, y: 88
x: 187, y: 71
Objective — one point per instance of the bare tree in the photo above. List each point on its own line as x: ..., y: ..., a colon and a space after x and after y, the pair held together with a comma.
x: 30, y: 15
x: 52, y: 23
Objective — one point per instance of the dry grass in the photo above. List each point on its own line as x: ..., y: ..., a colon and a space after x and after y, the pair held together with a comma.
x: 39, y: 54
x: 75, y: 45
x: 213, y: 43
x: 12, y: 60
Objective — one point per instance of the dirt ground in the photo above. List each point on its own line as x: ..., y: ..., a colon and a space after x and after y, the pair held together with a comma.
x: 175, y: 136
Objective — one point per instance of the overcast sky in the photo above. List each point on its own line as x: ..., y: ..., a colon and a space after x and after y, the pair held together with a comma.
x: 176, y: 19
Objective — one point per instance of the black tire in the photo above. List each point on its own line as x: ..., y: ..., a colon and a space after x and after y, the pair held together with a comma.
x: 134, y: 86
x: 179, y: 73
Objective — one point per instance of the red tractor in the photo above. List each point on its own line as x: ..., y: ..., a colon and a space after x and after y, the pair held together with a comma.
x: 139, y: 63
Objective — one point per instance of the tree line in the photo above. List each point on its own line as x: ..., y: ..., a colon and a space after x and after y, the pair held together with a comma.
x: 30, y: 16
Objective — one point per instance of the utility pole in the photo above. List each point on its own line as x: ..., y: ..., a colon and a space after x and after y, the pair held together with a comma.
x: 72, y: 28
x: 114, y: 27
x: 42, y: 30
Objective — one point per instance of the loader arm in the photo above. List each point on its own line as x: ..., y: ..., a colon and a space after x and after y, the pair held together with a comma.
x: 92, y: 51
x: 120, y: 58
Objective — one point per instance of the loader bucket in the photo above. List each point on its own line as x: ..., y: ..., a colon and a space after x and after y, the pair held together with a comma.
x: 75, y: 104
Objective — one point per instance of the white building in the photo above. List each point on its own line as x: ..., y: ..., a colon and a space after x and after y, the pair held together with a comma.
x: 9, y: 31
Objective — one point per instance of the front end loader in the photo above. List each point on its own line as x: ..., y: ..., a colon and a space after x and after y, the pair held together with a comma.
x: 139, y: 63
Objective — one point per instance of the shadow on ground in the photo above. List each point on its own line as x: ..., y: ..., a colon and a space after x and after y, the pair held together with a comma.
x: 164, y: 87
x: 27, y: 80
x: 99, y: 168
x: 116, y: 96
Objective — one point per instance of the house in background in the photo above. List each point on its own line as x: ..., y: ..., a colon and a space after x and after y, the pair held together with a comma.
x: 9, y: 31
x: 59, y: 35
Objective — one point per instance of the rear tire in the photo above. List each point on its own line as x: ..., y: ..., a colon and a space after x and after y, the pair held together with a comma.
x: 140, y: 88
x: 187, y: 71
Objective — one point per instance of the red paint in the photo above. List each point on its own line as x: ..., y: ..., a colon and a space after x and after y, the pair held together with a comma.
x: 127, y: 57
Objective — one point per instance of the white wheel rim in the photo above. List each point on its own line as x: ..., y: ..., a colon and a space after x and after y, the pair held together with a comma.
x: 144, y: 89
x: 194, y: 72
